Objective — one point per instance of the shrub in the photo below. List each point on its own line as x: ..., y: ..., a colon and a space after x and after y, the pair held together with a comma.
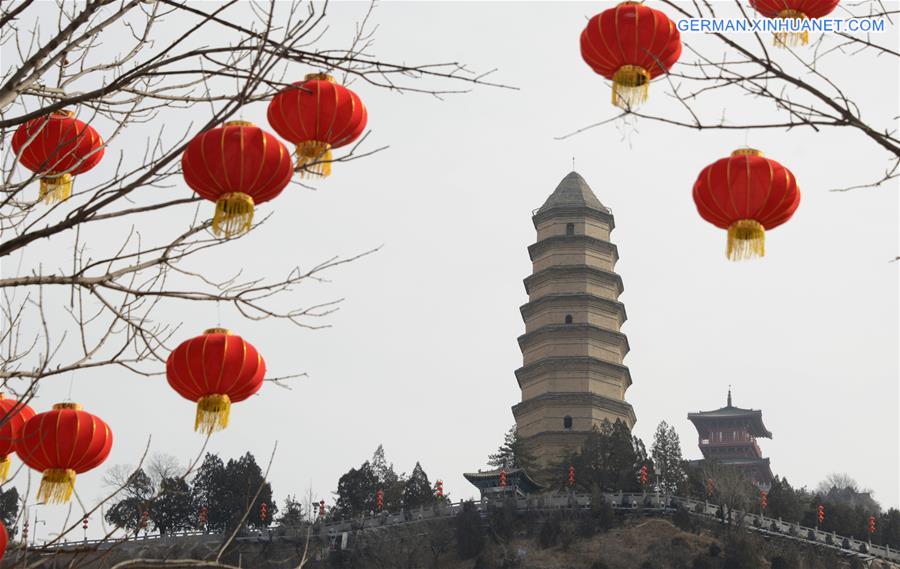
x: 604, y: 514
x: 599, y: 565
x: 586, y: 527
x: 682, y: 520
x: 740, y: 553
x: 549, y: 535
x: 701, y: 562
x: 567, y: 534
x: 785, y: 562
x: 715, y: 549
x: 469, y: 538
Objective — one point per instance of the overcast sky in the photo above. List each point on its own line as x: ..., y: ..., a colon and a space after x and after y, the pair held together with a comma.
x: 422, y: 353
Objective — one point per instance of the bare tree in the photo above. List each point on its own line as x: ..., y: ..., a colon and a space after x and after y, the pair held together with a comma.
x: 135, y: 233
x: 779, y: 87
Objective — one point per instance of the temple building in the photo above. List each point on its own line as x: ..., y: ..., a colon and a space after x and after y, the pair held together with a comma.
x: 572, y: 376
x: 728, y: 436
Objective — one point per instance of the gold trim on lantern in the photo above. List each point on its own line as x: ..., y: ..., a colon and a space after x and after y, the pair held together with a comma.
x: 68, y: 405
x: 747, y: 152
x: 234, y: 214
x: 212, y: 413
x: 631, y: 85
x: 314, y: 158
x: 238, y: 123
x: 746, y: 240
x: 319, y: 76
x: 217, y: 330
x: 64, y: 113
x: 55, y: 189
x: 785, y: 39
x: 56, y: 485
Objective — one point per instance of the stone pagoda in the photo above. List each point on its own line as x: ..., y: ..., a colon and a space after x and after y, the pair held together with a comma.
x: 572, y: 377
x: 728, y: 436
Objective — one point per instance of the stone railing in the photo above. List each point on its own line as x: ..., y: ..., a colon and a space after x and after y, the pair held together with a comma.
x: 645, y: 503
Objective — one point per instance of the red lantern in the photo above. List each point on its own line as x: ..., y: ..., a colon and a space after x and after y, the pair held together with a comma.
x: 709, y: 487
x: 643, y: 475
x: 503, y: 479
x: 746, y: 194
x: 61, y: 443
x: 13, y: 415
x: 321, y: 508
x: 203, y: 516
x: 439, y: 487
x: 237, y: 165
x: 820, y: 513
x: 215, y: 370
x: 317, y: 115
x: 56, y: 147
x: 871, y: 524
x: 763, y: 499
x: 379, y: 500
x: 793, y: 10
x: 263, y: 512
x: 4, y: 540
x: 571, y: 475
x: 630, y: 44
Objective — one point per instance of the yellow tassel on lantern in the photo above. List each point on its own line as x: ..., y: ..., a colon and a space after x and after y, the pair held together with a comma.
x: 234, y: 214
x: 746, y: 240
x: 793, y: 39
x: 631, y: 85
x: 4, y: 468
x: 212, y: 413
x: 55, y: 189
x: 56, y: 485
x: 314, y: 158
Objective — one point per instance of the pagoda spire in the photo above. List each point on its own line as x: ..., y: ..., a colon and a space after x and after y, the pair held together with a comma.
x: 729, y: 396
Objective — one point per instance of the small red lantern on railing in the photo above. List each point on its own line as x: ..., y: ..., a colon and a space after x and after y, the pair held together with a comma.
x: 263, y: 512
x: 321, y: 508
x: 379, y: 499
x: 145, y: 517
x: 709, y: 487
x: 203, y: 516
x: 820, y: 513
x: 871, y: 525
x: 644, y: 477
x: 503, y: 479
x: 84, y: 524
x: 439, y: 489
x: 571, y: 475
x: 763, y: 500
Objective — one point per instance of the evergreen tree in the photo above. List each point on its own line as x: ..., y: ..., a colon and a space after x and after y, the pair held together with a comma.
x: 784, y: 502
x: 667, y: 459
x: 244, y: 478
x: 9, y: 508
x: 292, y: 514
x: 133, y: 502
x: 356, y: 491
x: 387, y: 480
x: 610, y: 458
x: 209, y: 490
x: 512, y: 453
x: 174, y: 508
x: 417, y: 489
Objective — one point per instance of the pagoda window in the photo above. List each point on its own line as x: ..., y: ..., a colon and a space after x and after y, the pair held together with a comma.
x: 567, y: 423
x: 568, y: 318
x: 570, y: 229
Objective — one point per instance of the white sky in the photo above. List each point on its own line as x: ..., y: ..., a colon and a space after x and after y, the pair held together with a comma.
x: 421, y: 355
